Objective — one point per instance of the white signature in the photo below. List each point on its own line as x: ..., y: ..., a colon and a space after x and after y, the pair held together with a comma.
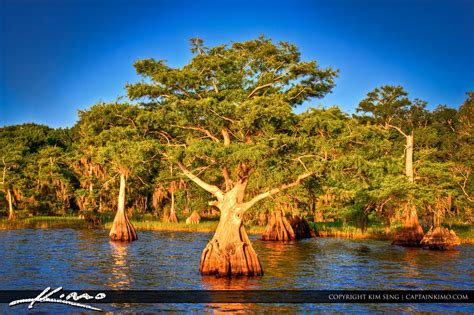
x: 45, y: 297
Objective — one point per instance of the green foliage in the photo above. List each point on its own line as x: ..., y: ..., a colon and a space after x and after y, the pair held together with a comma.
x: 231, y: 107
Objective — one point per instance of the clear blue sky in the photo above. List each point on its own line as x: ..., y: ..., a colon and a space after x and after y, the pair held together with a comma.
x: 57, y: 56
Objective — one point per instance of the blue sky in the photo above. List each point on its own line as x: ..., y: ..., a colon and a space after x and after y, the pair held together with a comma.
x: 58, y: 56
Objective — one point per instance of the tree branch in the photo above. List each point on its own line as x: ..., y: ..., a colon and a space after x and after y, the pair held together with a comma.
x: 207, y: 132
x: 228, y: 182
x: 226, y: 136
x: 215, y: 86
x: 264, y: 86
x: 223, y: 117
x: 387, y: 125
x: 302, y: 163
x: 274, y: 191
x: 4, y: 170
x: 463, y: 186
x: 214, y: 190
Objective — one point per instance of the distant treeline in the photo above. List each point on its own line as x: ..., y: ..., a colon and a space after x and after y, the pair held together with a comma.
x: 228, y: 117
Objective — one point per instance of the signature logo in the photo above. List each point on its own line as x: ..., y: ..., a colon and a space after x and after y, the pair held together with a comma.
x: 71, y: 299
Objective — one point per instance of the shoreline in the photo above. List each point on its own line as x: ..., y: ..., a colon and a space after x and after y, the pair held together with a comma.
x: 208, y: 226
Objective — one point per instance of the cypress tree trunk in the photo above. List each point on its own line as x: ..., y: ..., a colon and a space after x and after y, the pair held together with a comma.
x: 440, y: 238
x: 409, y: 158
x: 122, y: 229
x: 262, y: 218
x: 229, y: 252
x: 172, y: 218
x: 11, y: 213
x: 411, y: 233
x: 278, y: 228
x: 194, y: 218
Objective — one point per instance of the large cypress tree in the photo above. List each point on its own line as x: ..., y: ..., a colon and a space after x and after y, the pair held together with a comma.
x: 231, y: 129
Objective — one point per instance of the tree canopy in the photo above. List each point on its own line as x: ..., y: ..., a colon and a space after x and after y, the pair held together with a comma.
x: 227, y: 118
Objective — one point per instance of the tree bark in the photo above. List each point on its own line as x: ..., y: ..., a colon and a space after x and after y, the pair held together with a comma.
x: 229, y: 252
x: 194, y: 218
x: 440, y: 238
x: 412, y: 232
x: 11, y: 213
x: 409, y: 158
x: 262, y: 218
x: 172, y: 218
x: 281, y: 229
x: 122, y: 229
x: 278, y: 228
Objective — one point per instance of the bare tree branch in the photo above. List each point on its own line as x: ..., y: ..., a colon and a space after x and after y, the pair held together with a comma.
x: 223, y: 117
x: 463, y: 186
x: 228, y: 182
x: 215, y: 86
x: 264, y: 86
x: 214, y: 190
x: 274, y: 191
x: 4, y: 170
x: 302, y: 163
x: 387, y: 125
x: 207, y: 132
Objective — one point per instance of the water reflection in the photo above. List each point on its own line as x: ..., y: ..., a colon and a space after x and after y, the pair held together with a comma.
x: 216, y: 283
x: 84, y: 259
x: 120, y: 277
x: 410, y: 268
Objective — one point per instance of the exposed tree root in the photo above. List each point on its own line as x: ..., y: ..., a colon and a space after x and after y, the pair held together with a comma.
x: 122, y: 229
x: 412, y: 232
x: 171, y: 218
x: 230, y: 258
x: 440, y: 238
x: 280, y: 228
x: 194, y: 218
x: 262, y: 219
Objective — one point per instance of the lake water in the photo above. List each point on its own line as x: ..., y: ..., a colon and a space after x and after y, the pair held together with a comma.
x: 86, y: 260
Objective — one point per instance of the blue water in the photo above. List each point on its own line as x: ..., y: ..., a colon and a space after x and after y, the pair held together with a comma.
x: 86, y: 260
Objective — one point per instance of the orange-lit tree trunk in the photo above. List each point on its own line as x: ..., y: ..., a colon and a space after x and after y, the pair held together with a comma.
x: 412, y: 232
x: 172, y: 218
x: 230, y: 252
x: 409, y: 157
x: 11, y: 213
x: 122, y: 229
x: 194, y: 218
x: 278, y: 228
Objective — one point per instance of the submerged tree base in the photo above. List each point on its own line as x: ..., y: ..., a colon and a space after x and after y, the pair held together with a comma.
x: 278, y: 228
x: 412, y: 232
x: 172, y: 218
x: 409, y: 236
x: 230, y: 258
x: 281, y: 229
x: 122, y: 229
x: 440, y: 238
x: 301, y: 228
x: 194, y: 218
